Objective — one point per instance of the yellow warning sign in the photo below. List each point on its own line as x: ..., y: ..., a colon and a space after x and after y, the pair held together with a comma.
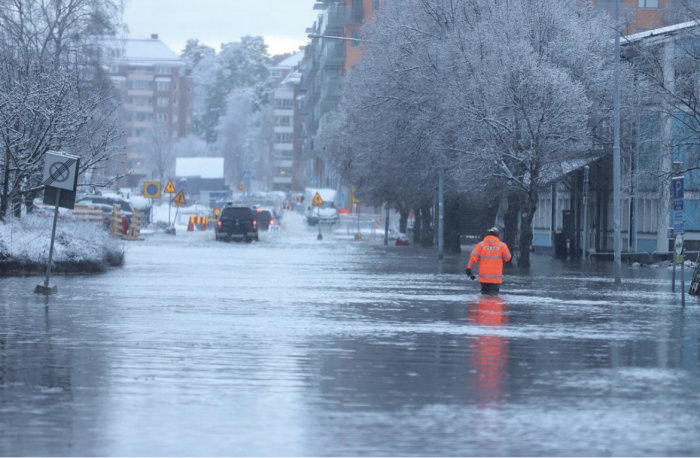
x: 169, y: 188
x: 317, y: 200
x: 179, y: 199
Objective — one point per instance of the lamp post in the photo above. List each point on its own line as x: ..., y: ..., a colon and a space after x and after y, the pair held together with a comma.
x: 617, y: 236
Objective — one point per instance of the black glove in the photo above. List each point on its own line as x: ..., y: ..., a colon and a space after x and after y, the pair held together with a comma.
x: 468, y: 271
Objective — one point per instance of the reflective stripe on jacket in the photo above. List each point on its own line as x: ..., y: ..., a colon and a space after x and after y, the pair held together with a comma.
x: 490, y: 254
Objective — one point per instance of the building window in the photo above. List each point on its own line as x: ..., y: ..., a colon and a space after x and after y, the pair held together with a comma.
x: 375, y: 5
x: 174, y: 118
x: 141, y: 85
x: 284, y: 104
x: 141, y: 101
x: 283, y: 121
x: 163, y: 101
x: 163, y: 85
x: 285, y: 137
x: 162, y: 117
x: 162, y: 70
x: 648, y: 3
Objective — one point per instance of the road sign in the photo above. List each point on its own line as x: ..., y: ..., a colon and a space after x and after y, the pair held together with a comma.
x: 151, y: 189
x: 677, y: 188
x: 678, y: 245
x: 179, y: 199
x: 317, y: 200
x: 61, y: 171
x: 355, y: 196
x: 341, y: 198
x: 677, y: 205
x: 169, y: 188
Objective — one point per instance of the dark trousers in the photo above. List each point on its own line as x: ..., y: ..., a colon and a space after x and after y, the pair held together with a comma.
x: 490, y: 288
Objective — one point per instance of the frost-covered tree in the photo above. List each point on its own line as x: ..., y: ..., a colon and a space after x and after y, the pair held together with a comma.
x: 52, y: 91
x: 244, y: 133
x: 237, y: 65
x: 495, y: 92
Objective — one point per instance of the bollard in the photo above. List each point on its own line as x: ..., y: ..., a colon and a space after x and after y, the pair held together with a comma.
x: 115, y: 222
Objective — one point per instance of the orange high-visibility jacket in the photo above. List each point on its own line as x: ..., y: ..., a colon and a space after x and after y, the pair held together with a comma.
x: 490, y: 253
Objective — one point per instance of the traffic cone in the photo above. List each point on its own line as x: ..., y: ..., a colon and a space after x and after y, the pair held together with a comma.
x: 205, y: 223
x: 190, y: 224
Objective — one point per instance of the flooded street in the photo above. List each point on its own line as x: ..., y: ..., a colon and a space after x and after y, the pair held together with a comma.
x: 295, y: 346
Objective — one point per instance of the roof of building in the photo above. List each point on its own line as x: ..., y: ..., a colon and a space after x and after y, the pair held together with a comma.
x: 203, y: 167
x: 663, y: 31
x: 291, y: 61
x: 143, y: 51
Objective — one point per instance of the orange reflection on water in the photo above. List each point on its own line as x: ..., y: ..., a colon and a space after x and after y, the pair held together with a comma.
x: 488, y: 352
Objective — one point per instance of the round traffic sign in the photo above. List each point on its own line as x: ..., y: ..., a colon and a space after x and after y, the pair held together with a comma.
x: 152, y: 189
x: 678, y: 245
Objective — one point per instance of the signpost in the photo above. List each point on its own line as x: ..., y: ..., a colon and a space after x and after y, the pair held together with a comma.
x: 317, y: 202
x: 60, y: 180
x: 355, y: 197
x: 170, y: 189
x: 677, y: 193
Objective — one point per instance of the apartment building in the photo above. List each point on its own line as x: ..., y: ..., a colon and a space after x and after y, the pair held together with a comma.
x: 285, y: 153
x: 640, y: 15
x: 156, y: 101
x: 326, y: 61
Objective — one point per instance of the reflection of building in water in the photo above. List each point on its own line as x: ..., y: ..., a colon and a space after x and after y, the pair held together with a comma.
x: 488, y: 353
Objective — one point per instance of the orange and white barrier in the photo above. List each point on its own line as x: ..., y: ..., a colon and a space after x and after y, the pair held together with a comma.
x: 201, y: 222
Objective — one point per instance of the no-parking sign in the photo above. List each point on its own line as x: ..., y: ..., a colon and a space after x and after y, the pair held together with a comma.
x: 61, y: 171
x: 151, y: 189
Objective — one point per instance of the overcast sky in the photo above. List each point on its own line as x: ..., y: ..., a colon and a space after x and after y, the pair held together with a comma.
x: 282, y: 23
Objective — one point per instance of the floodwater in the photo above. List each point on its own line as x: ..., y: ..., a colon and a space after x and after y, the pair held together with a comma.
x: 302, y: 347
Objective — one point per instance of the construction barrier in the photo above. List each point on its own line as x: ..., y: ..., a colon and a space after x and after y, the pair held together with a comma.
x: 117, y: 225
x: 134, y: 231
x: 88, y: 213
x: 201, y: 222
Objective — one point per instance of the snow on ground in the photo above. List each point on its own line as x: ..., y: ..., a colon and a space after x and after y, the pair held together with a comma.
x: 28, y: 239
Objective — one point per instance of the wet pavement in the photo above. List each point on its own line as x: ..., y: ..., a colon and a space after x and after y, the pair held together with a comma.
x: 295, y: 346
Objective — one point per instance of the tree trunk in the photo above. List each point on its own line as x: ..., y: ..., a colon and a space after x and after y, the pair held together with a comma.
x: 5, y: 188
x: 453, y: 232
x: 403, y: 220
x: 526, y: 235
x: 510, y: 220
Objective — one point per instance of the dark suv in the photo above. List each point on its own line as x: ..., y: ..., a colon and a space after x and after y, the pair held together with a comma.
x: 237, y: 223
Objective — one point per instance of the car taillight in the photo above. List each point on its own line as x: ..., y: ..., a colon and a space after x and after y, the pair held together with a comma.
x: 218, y: 224
x: 255, y: 222
x: 272, y: 221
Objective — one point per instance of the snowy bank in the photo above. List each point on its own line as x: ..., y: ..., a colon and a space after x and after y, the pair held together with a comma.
x: 80, y: 247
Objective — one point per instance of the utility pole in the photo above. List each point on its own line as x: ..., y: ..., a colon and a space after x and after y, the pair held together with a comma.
x: 617, y: 240
x: 584, y: 235
x: 441, y: 177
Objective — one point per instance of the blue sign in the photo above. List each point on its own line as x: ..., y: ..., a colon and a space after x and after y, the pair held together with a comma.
x: 677, y: 216
x: 677, y: 205
x: 677, y: 188
x: 246, y: 173
x: 341, y: 198
x: 678, y: 227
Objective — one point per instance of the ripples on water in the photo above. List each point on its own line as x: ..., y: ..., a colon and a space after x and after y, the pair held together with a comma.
x: 294, y: 346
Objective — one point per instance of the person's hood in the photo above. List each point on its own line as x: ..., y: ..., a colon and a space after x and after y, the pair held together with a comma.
x: 491, y: 240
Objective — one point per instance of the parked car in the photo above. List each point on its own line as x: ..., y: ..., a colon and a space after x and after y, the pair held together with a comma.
x: 237, y: 223
x: 106, y: 204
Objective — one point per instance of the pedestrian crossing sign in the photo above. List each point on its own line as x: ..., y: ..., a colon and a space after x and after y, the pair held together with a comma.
x: 180, y: 199
x: 317, y: 200
x: 169, y: 188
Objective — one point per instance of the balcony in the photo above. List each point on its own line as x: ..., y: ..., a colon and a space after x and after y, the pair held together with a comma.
x: 336, y: 19
x: 333, y: 54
